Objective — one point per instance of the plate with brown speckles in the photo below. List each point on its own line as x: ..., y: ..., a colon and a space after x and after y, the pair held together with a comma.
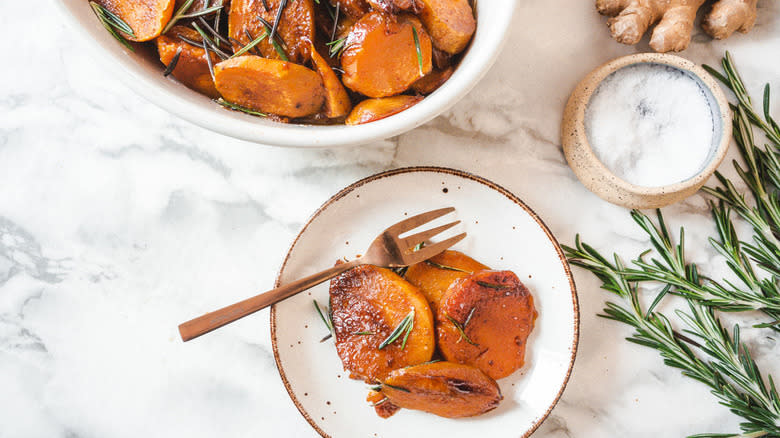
x: 503, y: 233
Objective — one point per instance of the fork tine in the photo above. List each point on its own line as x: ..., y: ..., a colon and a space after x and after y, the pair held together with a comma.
x: 416, y: 239
x: 430, y: 251
x: 415, y: 221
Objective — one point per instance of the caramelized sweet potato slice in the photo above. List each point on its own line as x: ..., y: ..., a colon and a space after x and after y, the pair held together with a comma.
x: 270, y: 85
x: 191, y: 69
x: 296, y: 27
x: 450, y: 23
x: 381, y: 59
x: 433, y: 80
x: 371, y: 110
x: 484, y: 320
x: 147, y: 18
x: 434, y: 276
x: 443, y: 388
x: 337, y: 103
x: 367, y: 304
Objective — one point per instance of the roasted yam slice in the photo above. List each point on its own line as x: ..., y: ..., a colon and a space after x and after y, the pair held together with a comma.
x: 191, y: 69
x: 270, y: 85
x: 337, y: 102
x: 147, y: 18
x: 367, y: 305
x: 433, y: 80
x: 484, y: 320
x: 296, y: 27
x: 381, y: 56
x: 443, y: 388
x: 434, y: 276
x: 450, y: 23
x: 371, y: 110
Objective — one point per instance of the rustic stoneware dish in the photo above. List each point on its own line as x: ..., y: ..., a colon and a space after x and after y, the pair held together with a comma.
x: 142, y: 72
x: 503, y: 233
x: 600, y: 180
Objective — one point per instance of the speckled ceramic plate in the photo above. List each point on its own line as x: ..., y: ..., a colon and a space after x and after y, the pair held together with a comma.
x: 503, y: 233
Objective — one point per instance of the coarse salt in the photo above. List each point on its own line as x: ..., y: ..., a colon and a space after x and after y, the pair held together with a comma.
x: 651, y: 125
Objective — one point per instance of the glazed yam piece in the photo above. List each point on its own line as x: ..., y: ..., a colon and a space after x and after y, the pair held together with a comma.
x: 381, y: 59
x: 353, y: 9
x: 371, y: 110
x: 451, y: 23
x: 270, y: 86
x: 147, y: 18
x: 496, y: 314
x: 191, y: 69
x: 337, y: 102
x: 432, y: 81
x: 434, y: 276
x: 443, y: 388
x: 296, y: 26
x: 367, y: 304
x: 382, y: 406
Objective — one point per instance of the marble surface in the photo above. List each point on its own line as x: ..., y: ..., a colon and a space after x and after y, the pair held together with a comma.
x: 118, y: 221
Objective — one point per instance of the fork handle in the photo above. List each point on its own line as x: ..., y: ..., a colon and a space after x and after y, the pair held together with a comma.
x: 216, y: 319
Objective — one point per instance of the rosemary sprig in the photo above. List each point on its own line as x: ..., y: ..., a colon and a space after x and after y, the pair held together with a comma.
x: 405, y: 327
x: 336, y: 47
x: 282, y: 5
x: 327, y: 321
x: 418, y: 49
x: 744, y: 391
x: 113, y: 23
x: 209, y: 44
x: 446, y: 267
x: 462, y: 327
x: 172, y: 65
x: 183, y: 13
x: 272, y: 38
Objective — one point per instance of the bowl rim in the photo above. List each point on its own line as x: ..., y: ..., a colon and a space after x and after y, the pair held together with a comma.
x: 449, y: 171
x: 584, y: 162
x: 182, y: 102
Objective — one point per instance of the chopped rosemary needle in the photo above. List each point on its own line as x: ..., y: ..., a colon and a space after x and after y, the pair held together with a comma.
x: 462, y: 327
x: 170, y: 67
x: 113, y: 23
x: 327, y: 321
x: 449, y: 268
x: 405, y: 327
x: 364, y: 333
x: 243, y: 109
x: 492, y: 285
x: 419, y: 50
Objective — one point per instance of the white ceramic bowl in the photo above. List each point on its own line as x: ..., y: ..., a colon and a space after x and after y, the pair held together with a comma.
x: 142, y: 72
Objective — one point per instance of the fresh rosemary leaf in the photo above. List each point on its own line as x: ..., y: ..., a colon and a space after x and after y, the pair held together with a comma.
x: 251, y: 45
x: 398, y: 388
x: 236, y: 107
x: 327, y: 321
x: 274, y: 39
x: 364, y: 333
x: 448, y: 268
x: 419, y: 50
x: 112, y: 23
x: 404, y: 328
x: 202, y: 12
x: 336, y: 47
x: 170, y: 67
x: 492, y: 285
x: 177, y: 15
x: 461, y: 327
x: 380, y: 402
x: 282, y: 5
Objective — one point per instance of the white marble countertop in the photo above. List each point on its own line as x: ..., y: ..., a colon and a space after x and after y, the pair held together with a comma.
x: 118, y: 221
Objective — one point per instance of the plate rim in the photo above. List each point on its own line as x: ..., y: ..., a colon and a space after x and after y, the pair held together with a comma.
x: 449, y: 171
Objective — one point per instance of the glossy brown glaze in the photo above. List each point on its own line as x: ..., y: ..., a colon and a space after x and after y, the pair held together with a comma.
x: 443, y: 388
x: 502, y: 319
x: 371, y: 110
x: 192, y: 69
x: 380, y: 58
x: 296, y: 27
x: 147, y: 18
x: 433, y: 279
x: 270, y: 85
x: 367, y: 304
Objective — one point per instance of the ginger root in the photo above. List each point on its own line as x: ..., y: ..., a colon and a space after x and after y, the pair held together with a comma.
x: 630, y: 19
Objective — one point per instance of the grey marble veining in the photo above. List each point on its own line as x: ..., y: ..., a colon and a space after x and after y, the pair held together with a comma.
x: 118, y: 220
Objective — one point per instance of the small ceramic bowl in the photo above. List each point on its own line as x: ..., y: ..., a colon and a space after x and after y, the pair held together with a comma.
x: 600, y: 180
x: 142, y: 72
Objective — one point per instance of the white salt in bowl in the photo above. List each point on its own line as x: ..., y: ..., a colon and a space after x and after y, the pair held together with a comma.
x: 609, y: 186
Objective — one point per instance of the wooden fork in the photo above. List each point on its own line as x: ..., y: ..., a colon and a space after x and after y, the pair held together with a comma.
x: 388, y: 250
